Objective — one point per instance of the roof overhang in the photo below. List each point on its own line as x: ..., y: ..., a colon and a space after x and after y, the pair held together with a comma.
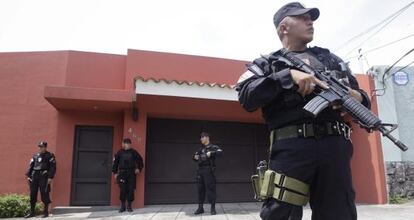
x: 185, y: 89
x: 89, y: 99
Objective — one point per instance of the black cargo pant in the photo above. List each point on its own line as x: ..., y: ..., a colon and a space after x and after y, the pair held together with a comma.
x: 322, y: 163
x: 127, y: 181
x: 206, y: 184
x: 39, y: 181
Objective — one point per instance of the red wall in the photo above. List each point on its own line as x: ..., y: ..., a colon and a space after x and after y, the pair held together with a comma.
x: 25, y: 116
x: 368, y: 162
x: 95, y: 70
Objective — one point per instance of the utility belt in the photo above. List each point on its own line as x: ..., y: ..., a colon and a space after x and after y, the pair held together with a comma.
x: 39, y: 172
x: 205, y: 167
x: 312, y: 130
x: 270, y: 184
x: 126, y: 171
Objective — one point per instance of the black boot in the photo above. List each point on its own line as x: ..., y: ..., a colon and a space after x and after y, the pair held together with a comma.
x: 213, y: 209
x: 199, y: 210
x: 31, y: 214
x: 32, y: 211
x: 46, y: 211
x: 129, y: 208
x: 122, y: 209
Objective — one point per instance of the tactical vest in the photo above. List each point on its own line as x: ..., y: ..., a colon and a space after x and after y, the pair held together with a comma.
x: 287, y: 109
x: 42, y: 161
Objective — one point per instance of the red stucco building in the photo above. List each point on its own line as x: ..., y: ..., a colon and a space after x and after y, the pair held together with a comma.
x: 84, y: 103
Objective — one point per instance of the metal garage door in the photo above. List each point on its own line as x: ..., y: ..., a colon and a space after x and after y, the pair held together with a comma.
x: 170, y: 171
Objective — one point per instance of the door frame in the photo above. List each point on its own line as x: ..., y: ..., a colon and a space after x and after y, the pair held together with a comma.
x: 75, y: 158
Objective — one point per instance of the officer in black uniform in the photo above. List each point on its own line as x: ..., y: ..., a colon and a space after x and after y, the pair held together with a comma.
x: 206, y: 180
x: 41, y: 171
x: 315, y: 151
x: 127, y: 164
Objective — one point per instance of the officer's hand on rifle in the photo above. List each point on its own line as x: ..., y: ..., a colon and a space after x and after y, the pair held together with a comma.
x: 337, y: 106
x: 196, y: 156
x: 354, y: 93
x: 49, y: 181
x: 357, y: 95
x: 306, y: 82
x: 136, y: 171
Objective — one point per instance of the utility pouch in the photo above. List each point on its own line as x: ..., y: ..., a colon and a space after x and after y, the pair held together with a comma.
x: 257, y: 180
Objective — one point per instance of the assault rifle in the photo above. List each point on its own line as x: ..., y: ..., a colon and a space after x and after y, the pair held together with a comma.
x: 339, y: 93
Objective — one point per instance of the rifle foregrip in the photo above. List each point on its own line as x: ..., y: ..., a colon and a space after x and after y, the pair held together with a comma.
x: 361, y: 113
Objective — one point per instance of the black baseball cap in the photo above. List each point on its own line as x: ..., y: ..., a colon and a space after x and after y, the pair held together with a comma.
x: 294, y: 9
x: 42, y: 144
x: 126, y: 141
x: 204, y: 134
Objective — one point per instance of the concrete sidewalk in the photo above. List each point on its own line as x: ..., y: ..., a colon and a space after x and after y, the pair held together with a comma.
x: 234, y: 211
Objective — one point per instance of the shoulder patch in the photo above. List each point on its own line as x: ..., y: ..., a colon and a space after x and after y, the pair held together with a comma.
x: 256, y: 70
x: 246, y: 75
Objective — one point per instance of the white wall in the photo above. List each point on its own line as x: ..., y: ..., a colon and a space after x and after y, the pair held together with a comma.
x: 396, y: 106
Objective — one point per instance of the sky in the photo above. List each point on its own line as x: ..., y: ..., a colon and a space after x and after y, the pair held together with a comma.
x: 233, y: 29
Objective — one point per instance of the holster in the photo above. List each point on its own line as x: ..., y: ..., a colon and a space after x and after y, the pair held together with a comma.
x: 257, y: 180
x: 257, y: 185
x: 271, y: 184
x: 120, y: 179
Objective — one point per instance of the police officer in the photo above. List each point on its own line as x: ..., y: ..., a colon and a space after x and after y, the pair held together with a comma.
x: 305, y: 150
x: 42, y: 169
x: 127, y: 164
x: 206, y: 180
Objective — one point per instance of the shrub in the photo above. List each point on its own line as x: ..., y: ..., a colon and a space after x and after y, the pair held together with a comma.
x: 15, y: 205
x: 398, y: 199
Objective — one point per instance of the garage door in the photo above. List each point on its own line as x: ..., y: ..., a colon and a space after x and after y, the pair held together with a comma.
x: 170, y: 171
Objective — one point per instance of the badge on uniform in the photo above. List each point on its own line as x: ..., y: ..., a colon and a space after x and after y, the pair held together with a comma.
x: 39, y: 159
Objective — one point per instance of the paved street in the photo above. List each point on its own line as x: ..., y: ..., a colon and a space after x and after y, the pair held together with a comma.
x: 234, y: 211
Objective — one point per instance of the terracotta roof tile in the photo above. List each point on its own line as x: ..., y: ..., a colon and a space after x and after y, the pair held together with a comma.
x: 181, y: 82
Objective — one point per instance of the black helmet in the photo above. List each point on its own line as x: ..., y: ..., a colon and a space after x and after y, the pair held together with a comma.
x: 126, y: 141
x: 42, y: 144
